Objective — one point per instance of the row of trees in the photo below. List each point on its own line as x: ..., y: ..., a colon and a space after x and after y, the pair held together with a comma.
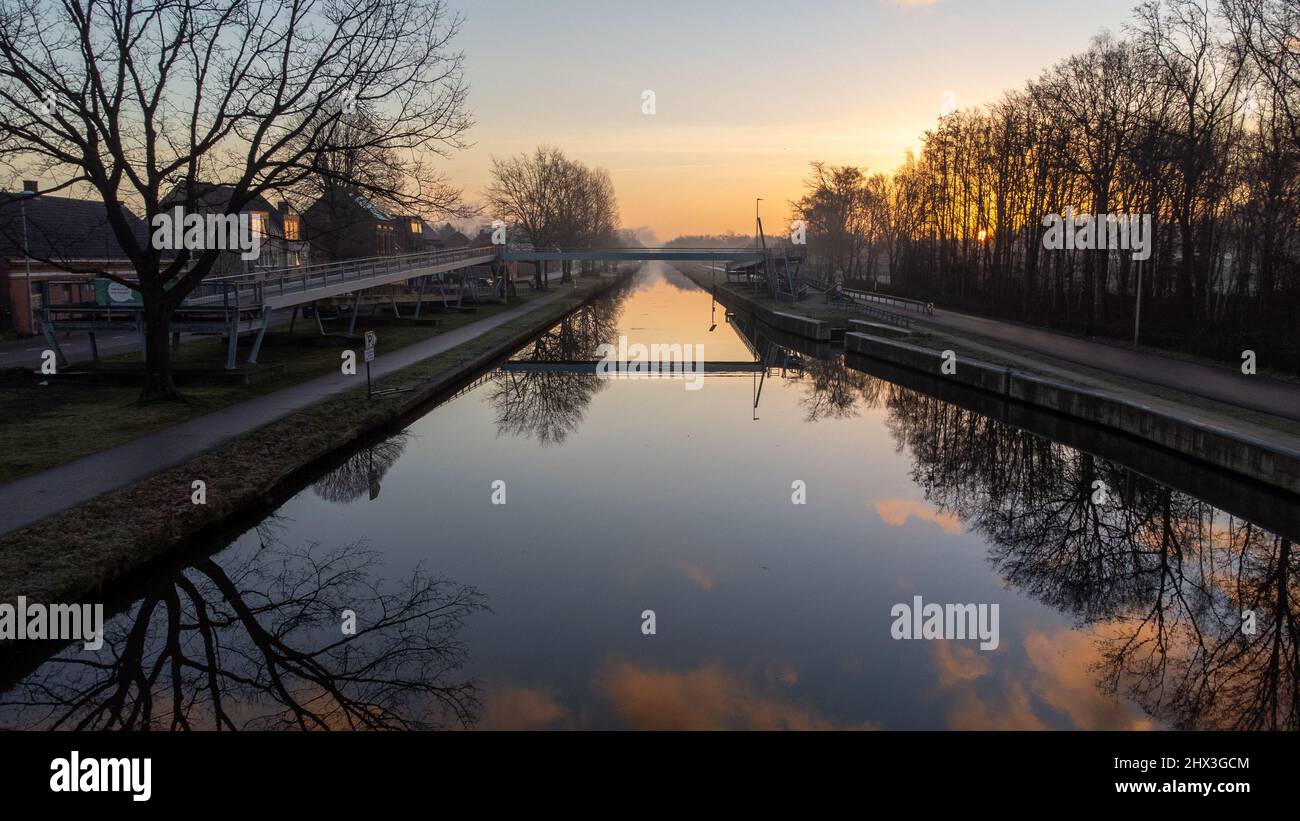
x: 1191, y: 117
x: 549, y: 200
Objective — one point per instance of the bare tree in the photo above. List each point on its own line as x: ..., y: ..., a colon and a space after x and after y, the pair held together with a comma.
x: 550, y: 200
x: 129, y: 99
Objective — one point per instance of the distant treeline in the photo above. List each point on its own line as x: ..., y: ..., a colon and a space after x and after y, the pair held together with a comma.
x: 727, y: 240
x: 1190, y: 117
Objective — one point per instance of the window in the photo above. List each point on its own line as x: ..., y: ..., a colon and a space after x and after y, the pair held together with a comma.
x: 257, y: 219
x: 291, y: 228
x: 416, y: 227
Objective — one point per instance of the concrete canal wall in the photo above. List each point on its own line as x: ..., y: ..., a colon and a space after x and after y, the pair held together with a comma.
x: 815, y: 329
x: 1256, y: 458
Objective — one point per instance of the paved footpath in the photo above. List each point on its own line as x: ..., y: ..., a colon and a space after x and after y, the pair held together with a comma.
x: 1255, y: 392
x: 31, y: 498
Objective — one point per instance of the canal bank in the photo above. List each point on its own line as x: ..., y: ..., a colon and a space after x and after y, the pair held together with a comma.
x: 72, y: 553
x: 1254, y: 445
x: 773, y: 609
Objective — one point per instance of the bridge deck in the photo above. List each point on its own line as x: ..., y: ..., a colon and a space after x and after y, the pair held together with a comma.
x: 745, y: 256
x: 668, y: 368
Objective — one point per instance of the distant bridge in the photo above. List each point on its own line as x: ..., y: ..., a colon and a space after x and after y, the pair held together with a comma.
x: 736, y: 256
x: 238, y: 304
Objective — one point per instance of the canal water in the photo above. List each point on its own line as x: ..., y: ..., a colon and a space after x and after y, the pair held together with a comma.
x: 550, y: 549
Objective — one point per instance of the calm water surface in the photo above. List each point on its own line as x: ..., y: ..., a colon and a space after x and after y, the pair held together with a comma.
x: 623, y: 496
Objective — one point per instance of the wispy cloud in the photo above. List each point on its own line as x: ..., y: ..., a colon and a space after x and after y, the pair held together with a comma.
x: 896, y: 512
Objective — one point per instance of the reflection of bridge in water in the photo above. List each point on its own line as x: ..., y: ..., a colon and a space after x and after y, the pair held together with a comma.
x: 651, y: 369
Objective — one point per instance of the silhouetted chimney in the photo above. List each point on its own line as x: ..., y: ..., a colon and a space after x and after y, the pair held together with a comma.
x: 30, y: 185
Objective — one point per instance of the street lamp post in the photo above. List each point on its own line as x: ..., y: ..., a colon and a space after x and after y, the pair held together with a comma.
x: 23, y: 197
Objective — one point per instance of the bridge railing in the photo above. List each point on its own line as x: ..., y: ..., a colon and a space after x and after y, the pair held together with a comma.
x: 232, y: 294
x: 893, y: 301
x: 252, y: 288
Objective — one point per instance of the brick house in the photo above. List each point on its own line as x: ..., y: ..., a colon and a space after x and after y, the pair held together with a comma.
x: 41, y: 237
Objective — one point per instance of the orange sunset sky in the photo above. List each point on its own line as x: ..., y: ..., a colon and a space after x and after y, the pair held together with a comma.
x: 746, y: 93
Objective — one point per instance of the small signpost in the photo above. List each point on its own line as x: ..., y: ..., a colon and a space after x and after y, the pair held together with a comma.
x: 371, y: 340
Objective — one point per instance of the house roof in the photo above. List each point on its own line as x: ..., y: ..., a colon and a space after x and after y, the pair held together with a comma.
x: 375, y: 211
x: 62, y: 228
x: 215, y: 197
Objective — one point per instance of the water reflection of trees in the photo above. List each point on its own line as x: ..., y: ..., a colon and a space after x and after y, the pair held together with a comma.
x: 361, y: 472
x: 1160, y: 576
x: 549, y: 405
x: 833, y: 391
x: 257, y: 642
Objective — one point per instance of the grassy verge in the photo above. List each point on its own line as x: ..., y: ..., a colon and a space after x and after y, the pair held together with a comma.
x: 72, y: 554
x: 49, y: 425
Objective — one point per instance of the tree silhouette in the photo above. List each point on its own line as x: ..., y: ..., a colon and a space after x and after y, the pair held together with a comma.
x: 257, y: 642
x: 362, y: 471
x: 1160, y: 578
x: 549, y: 405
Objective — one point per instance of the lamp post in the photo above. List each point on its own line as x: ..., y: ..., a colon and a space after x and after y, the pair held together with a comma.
x: 23, y: 197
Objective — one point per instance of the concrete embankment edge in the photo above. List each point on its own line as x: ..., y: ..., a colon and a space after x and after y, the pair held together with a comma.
x: 1256, y: 458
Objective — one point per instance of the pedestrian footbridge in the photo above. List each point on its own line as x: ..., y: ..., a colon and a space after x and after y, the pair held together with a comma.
x: 247, y: 303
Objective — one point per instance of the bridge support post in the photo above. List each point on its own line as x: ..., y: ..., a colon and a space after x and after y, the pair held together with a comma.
x: 261, y: 333
x: 94, y: 348
x: 419, y: 302
x: 356, y: 307
x: 293, y: 317
x: 233, y: 346
x: 392, y: 296
x: 48, y: 330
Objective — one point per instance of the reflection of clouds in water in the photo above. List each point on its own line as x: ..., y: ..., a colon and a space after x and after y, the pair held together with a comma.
x: 709, y: 697
x: 956, y: 663
x: 1063, y: 677
x: 1056, y: 680
x: 701, y: 577
x: 896, y: 512
x: 509, y: 707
